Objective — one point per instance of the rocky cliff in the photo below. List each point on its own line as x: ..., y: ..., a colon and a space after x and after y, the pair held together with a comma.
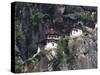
x: 32, y: 22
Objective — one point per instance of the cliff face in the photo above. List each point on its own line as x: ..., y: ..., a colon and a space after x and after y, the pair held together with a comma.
x: 32, y: 22
x: 83, y: 51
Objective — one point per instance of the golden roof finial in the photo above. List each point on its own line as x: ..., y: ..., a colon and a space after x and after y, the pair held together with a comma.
x: 51, y: 29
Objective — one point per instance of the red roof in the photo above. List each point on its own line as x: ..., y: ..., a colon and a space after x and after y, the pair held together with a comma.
x: 51, y: 31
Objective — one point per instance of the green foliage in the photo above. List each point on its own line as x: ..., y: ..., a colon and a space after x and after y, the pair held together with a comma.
x: 62, y: 57
x: 18, y: 65
x: 21, y: 35
x: 43, y: 52
x: 37, y: 16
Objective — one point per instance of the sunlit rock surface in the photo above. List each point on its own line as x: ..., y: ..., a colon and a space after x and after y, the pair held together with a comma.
x: 84, y: 52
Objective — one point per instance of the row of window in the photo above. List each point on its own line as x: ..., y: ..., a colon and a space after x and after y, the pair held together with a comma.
x: 53, y: 36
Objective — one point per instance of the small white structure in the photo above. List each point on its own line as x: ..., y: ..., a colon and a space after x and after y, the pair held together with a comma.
x: 51, y: 45
x: 76, y: 33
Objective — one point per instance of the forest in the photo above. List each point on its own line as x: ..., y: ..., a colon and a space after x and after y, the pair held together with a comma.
x: 32, y: 22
